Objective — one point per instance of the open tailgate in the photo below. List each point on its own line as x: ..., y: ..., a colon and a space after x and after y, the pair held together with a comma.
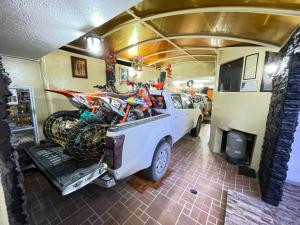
x: 65, y: 173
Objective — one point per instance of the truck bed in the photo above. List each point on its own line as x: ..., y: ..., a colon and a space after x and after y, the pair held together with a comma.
x: 65, y: 173
x: 68, y: 174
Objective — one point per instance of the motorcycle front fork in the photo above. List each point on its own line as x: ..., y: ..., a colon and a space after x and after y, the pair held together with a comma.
x: 123, y: 120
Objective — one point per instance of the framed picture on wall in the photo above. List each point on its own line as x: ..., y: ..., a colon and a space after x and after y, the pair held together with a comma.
x: 272, y: 61
x: 124, y: 75
x: 79, y: 67
x: 13, y: 99
x: 250, y: 67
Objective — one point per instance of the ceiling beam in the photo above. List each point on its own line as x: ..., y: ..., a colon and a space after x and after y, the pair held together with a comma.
x: 193, y: 62
x: 223, y: 37
x: 181, y: 56
x: 176, y: 50
x: 157, y: 32
x: 139, y: 43
x: 216, y: 9
x: 228, y: 9
x: 119, y: 27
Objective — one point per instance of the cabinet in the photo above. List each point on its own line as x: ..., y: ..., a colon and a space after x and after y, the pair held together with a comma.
x: 22, y: 119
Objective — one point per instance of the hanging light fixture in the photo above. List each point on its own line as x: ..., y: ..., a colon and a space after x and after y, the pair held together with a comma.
x: 94, y: 43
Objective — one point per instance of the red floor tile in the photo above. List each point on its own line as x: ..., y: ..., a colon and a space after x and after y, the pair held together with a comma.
x: 192, y: 165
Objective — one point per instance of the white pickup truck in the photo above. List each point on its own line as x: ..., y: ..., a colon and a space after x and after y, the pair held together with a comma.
x: 144, y: 144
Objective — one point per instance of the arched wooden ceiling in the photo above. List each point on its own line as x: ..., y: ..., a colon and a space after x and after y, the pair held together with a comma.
x: 192, y: 30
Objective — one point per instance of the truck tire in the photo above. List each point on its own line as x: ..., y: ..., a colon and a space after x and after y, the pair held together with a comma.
x: 64, y: 115
x: 196, y: 130
x: 160, y: 162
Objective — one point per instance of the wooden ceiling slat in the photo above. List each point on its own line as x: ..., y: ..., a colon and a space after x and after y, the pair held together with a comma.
x: 265, y: 28
x: 153, y: 7
x: 197, y: 23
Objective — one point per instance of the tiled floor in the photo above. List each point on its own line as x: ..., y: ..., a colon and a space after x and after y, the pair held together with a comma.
x: 193, y: 166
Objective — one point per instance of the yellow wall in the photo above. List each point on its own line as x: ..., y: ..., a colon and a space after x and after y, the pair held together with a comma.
x: 146, y: 75
x: 56, y: 68
x: 27, y: 73
x: 245, y: 111
x: 192, y: 70
x: 54, y: 72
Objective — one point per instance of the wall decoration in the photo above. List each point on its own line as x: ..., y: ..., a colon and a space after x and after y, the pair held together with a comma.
x: 13, y: 99
x: 190, y: 83
x: 124, y: 74
x: 110, y: 61
x: 137, y: 63
x: 271, y: 66
x: 250, y: 66
x: 169, y: 71
x: 79, y: 67
x: 248, y: 86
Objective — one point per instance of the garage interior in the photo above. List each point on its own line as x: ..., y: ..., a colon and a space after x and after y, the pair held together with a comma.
x: 236, y: 62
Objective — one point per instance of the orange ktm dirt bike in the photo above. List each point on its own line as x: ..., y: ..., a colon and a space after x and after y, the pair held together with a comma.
x: 129, y: 106
x: 87, y: 137
x: 59, y: 123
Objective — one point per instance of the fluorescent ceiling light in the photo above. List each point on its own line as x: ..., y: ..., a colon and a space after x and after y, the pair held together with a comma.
x: 94, y: 44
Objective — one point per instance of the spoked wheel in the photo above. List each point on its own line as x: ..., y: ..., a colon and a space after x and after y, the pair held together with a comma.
x: 87, y: 140
x: 58, y: 125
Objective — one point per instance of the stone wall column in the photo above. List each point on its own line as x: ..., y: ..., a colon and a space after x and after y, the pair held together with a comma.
x: 281, y: 124
x: 11, y: 177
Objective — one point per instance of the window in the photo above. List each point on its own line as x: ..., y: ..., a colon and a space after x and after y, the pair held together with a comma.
x: 186, y: 102
x: 176, y: 101
x: 230, y: 76
x: 160, y: 102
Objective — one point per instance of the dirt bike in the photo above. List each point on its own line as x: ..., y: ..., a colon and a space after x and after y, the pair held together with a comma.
x: 58, y: 124
x: 87, y: 138
x: 130, y: 106
x: 104, y: 107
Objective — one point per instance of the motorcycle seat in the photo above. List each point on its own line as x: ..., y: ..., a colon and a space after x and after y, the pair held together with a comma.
x: 123, y: 96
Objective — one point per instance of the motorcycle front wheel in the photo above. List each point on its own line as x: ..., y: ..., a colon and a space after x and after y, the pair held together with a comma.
x: 58, y: 124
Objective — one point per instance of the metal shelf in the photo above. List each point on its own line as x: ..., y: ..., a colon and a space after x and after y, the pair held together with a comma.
x: 28, y: 100
x: 22, y: 129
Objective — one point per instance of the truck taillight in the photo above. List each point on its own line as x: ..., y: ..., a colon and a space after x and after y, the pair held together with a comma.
x: 114, y: 149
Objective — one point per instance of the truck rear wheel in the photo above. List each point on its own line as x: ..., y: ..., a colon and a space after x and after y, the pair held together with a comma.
x: 196, y: 130
x: 160, y: 162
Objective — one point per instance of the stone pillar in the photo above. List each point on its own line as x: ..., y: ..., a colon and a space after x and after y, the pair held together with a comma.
x: 281, y: 123
x: 11, y: 177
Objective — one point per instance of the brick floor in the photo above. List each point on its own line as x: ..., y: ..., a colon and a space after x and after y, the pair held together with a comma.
x: 193, y: 166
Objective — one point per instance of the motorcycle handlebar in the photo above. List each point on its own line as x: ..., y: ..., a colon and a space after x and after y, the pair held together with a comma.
x: 101, y: 86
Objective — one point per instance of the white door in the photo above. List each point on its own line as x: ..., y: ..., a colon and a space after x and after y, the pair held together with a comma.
x: 189, y: 111
x: 179, y: 117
